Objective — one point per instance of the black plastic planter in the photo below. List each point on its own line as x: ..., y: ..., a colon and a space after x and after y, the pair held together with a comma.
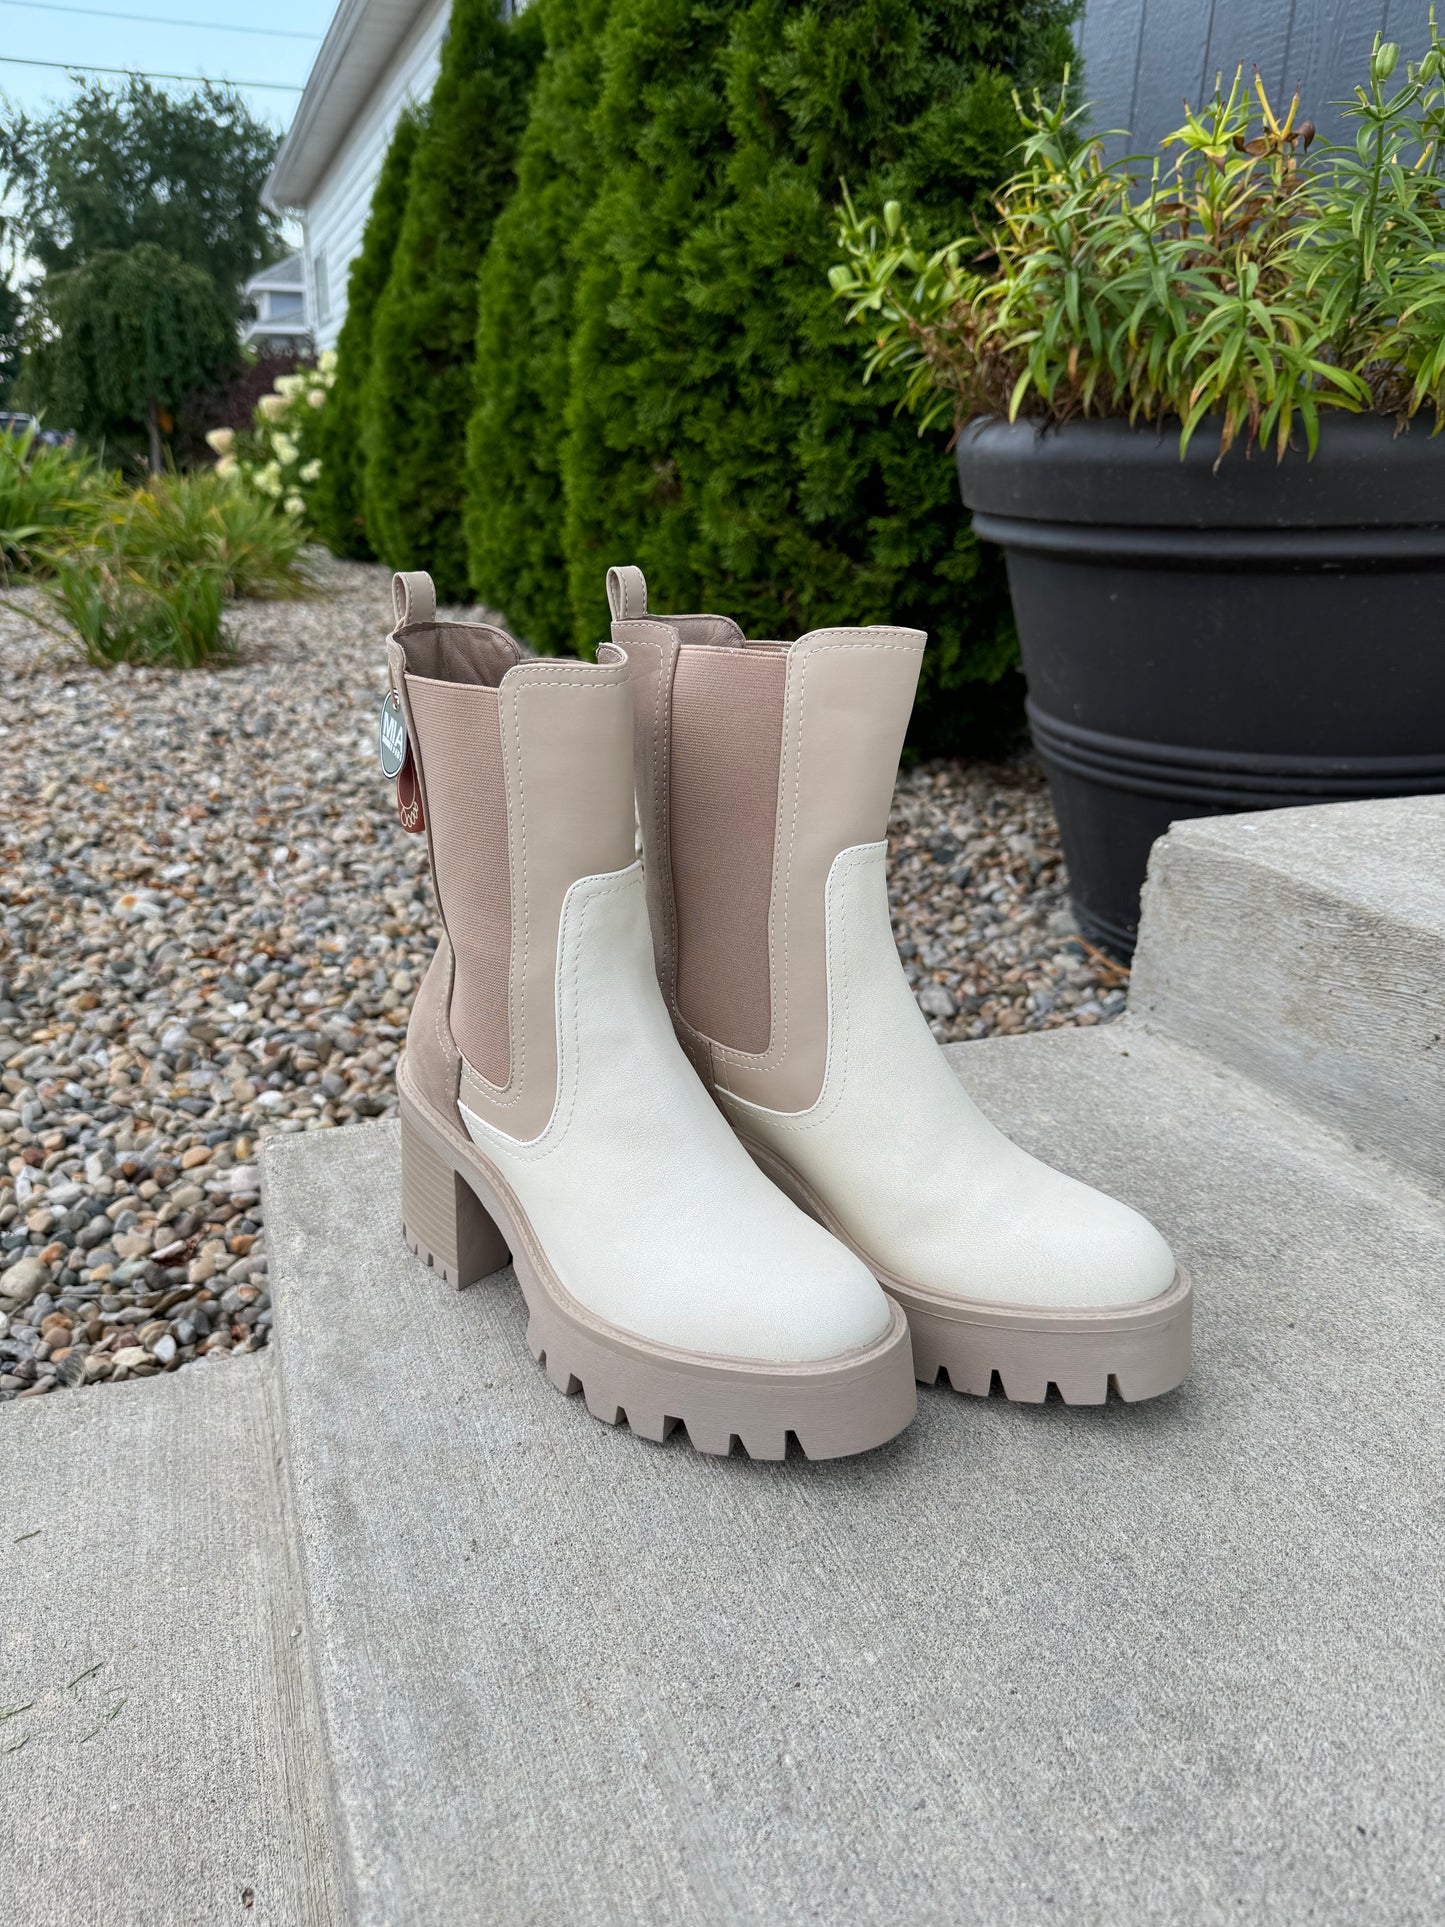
x: 1196, y: 643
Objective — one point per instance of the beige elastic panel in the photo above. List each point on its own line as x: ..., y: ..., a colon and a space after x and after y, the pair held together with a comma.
x: 727, y: 736
x: 466, y: 804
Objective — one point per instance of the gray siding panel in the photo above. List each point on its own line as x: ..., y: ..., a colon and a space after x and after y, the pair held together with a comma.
x: 1111, y: 56
x: 1143, y: 58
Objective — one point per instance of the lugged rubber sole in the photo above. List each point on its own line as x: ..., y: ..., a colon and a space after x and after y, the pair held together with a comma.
x: 460, y: 1216
x: 1140, y: 1351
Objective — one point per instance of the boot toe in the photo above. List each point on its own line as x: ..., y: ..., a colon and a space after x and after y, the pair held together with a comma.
x: 1072, y: 1248
x: 802, y: 1300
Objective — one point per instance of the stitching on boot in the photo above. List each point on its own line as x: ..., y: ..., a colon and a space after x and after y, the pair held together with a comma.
x: 835, y: 1059
x: 535, y: 1150
x: 776, y: 1053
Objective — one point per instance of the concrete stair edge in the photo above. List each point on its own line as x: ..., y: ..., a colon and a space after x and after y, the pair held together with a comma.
x: 1306, y: 950
x: 163, y: 1766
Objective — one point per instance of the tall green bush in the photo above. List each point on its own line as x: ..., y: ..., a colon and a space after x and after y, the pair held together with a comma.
x: 335, y: 506
x: 524, y: 330
x: 417, y: 394
x: 115, y: 344
x: 717, y: 431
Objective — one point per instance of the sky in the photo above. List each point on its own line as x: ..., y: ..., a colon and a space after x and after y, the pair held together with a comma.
x: 210, y: 45
x: 274, y: 41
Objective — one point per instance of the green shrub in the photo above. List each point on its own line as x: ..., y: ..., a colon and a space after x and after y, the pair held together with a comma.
x: 717, y: 432
x: 215, y: 524
x: 417, y: 395
x: 113, y: 345
x: 48, y: 496
x: 524, y: 328
x: 335, y: 505
x: 123, y: 608
x: 1261, y: 279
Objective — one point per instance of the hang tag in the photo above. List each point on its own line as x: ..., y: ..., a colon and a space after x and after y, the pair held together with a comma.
x: 408, y: 798
x: 394, y: 748
x: 391, y: 742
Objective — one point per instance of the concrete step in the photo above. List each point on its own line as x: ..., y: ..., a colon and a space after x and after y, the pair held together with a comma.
x: 1175, y: 1661
x: 158, y: 1748
x: 1307, y: 949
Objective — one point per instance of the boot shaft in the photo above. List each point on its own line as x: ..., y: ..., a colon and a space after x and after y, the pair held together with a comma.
x: 523, y: 771
x: 757, y: 764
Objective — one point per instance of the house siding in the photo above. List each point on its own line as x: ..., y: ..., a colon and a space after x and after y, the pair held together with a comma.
x: 335, y: 217
x: 1144, y: 58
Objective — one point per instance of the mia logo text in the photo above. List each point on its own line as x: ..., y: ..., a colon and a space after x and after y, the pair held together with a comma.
x: 391, y: 738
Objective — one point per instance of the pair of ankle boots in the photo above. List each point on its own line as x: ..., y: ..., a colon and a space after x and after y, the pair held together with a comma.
x: 692, y: 1097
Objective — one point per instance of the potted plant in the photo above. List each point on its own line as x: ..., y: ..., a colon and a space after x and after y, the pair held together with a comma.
x: 1196, y: 401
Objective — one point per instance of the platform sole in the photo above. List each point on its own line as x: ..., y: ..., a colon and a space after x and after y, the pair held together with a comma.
x: 1136, y: 1351
x: 460, y: 1216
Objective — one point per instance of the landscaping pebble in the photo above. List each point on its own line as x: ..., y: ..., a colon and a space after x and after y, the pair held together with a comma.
x: 981, y: 907
x: 211, y: 927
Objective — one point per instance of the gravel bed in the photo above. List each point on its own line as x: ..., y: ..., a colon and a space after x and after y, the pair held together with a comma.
x: 211, y: 926
x: 981, y: 908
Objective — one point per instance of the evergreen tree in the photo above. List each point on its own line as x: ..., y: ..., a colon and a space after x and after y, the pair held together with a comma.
x: 524, y: 328
x: 335, y: 507
x: 718, y: 429
x: 113, y: 345
x: 417, y: 396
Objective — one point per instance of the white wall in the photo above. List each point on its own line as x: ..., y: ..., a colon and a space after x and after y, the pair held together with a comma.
x: 340, y: 202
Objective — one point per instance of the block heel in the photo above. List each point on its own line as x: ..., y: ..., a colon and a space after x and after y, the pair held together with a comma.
x: 442, y: 1219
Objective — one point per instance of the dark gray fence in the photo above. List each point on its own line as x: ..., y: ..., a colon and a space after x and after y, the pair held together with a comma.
x: 1143, y: 58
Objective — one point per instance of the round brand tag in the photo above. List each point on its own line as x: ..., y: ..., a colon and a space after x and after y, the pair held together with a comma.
x: 391, y: 736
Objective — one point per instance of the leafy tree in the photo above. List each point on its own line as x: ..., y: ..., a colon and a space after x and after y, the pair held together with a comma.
x: 114, y: 167
x: 417, y: 396
x: 11, y: 315
x: 524, y: 329
x: 114, y: 344
x: 11, y: 304
x: 335, y: 506
x: 718, y: 432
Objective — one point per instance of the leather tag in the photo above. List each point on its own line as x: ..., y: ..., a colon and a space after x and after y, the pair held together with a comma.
x: 408, y: 797
x: 394, y: 748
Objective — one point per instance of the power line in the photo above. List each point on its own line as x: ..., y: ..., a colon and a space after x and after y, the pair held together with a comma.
x: 135, y: 73
x: 159, y: 20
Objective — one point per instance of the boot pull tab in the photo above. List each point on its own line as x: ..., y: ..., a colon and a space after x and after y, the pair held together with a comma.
x: 413, y: 597
x: 393, y: 741
x: 626, y: 593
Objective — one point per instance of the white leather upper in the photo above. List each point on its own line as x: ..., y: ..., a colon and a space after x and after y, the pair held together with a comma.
x: 926, y: 1187
x: 651, y: 1213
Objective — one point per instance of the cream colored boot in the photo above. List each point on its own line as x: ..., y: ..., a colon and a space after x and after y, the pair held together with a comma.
x: 765, y: 772
x: 546, y: 1109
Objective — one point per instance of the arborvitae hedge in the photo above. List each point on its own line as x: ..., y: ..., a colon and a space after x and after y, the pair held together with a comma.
x: 718, y: 429
x: 335, y: 506
x: 524, y: 326
x: 417, y: 394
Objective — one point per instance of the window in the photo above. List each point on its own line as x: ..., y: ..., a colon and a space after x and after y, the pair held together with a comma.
x: 323, y: 286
